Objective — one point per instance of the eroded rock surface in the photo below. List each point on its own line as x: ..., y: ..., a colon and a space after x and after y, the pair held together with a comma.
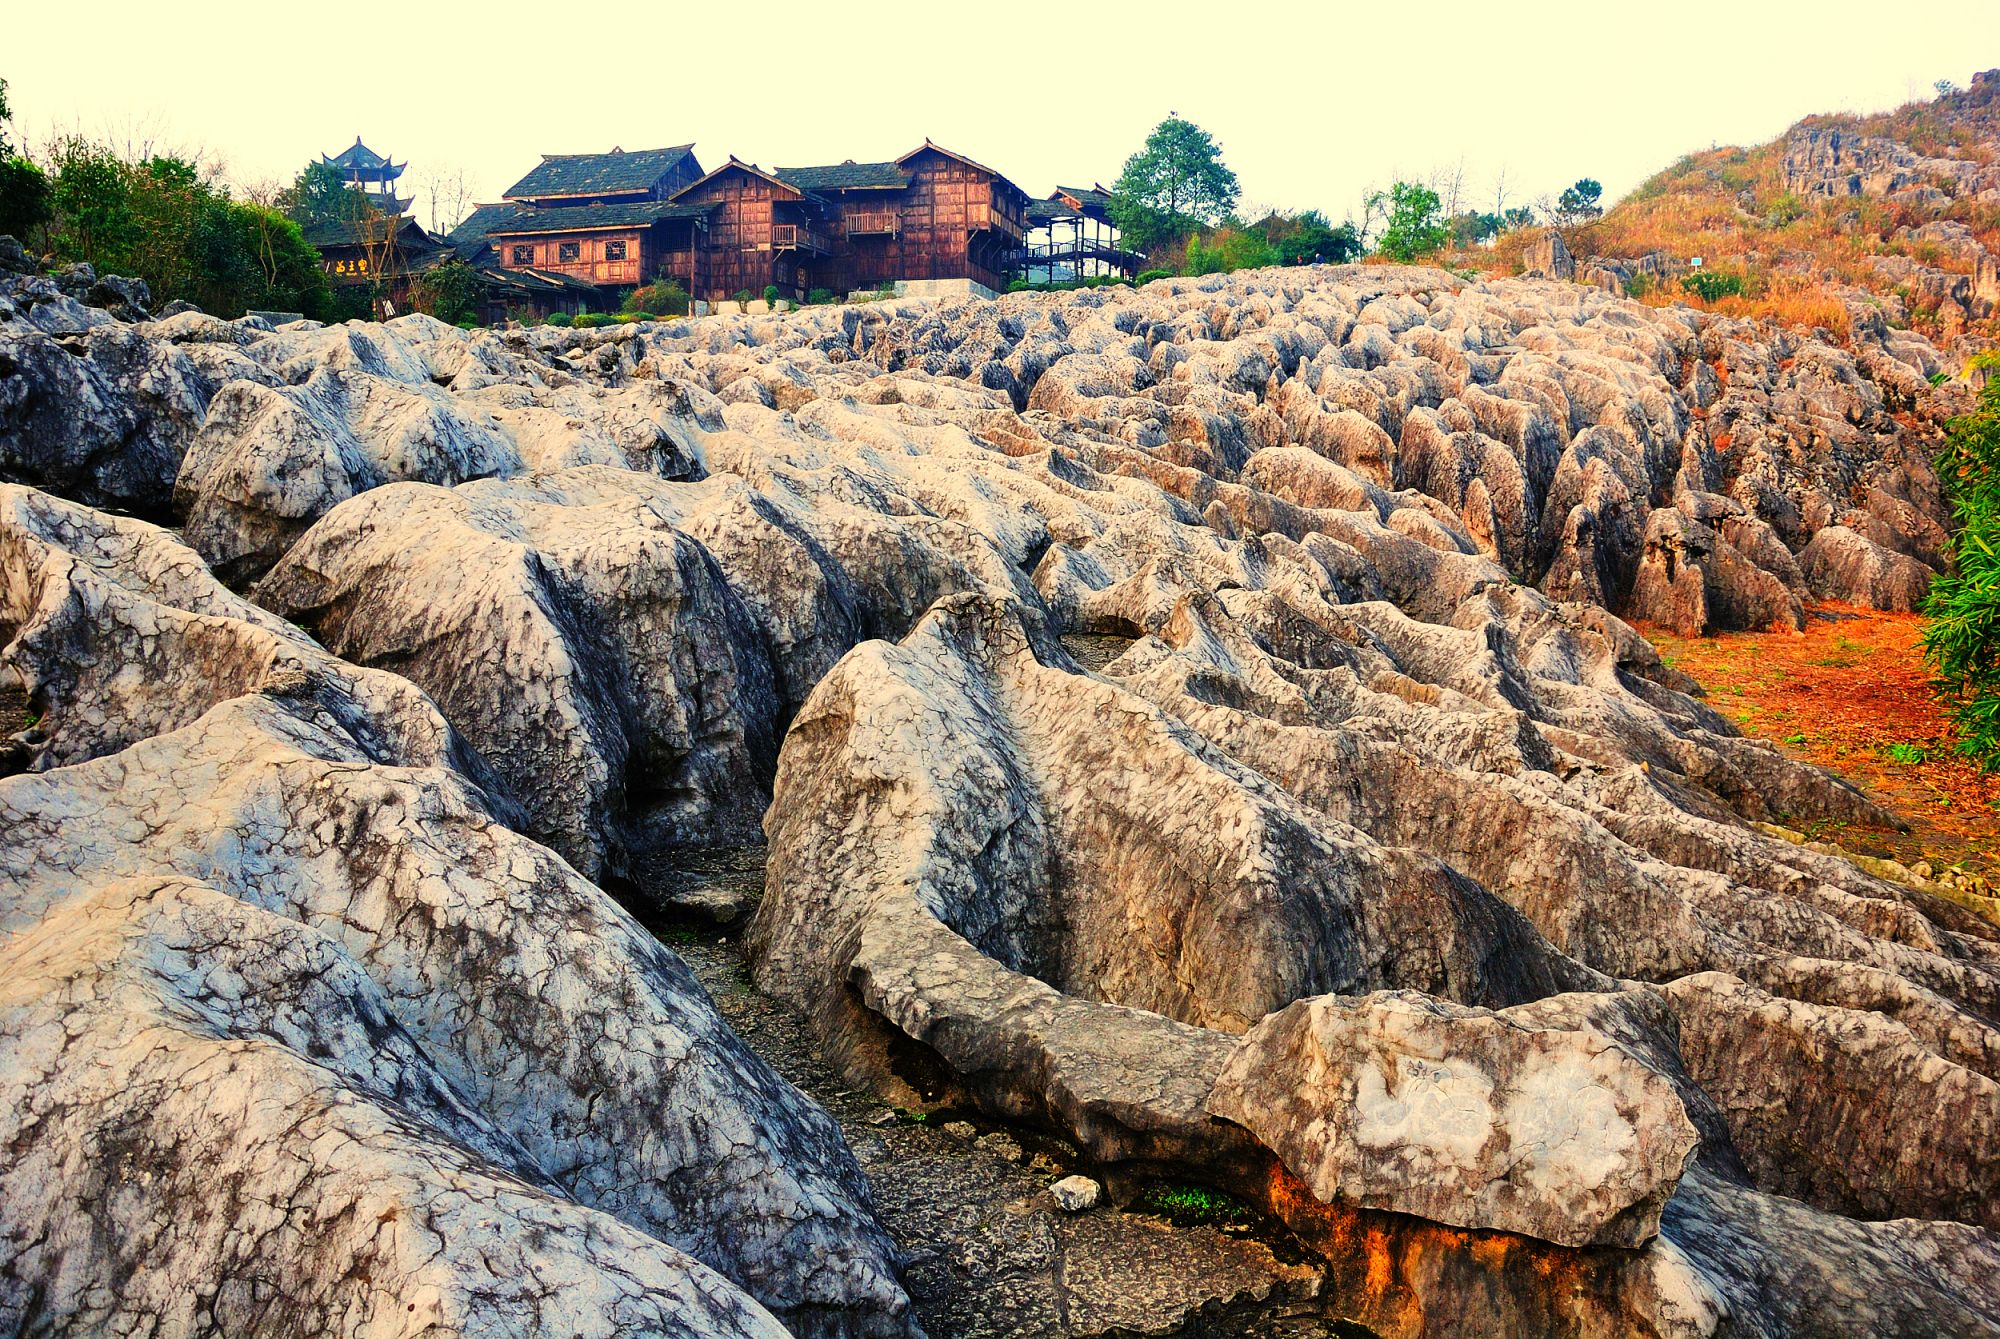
x: 1193, y: 721
x: 459, y: 1013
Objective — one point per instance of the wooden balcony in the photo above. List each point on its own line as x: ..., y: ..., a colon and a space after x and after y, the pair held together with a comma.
x: 996, y: 221
x: 874, y: 223
x: 799, y: 237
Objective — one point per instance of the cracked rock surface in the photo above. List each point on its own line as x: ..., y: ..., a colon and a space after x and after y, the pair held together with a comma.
x: 482, y: 1011
x: 1194, y: 724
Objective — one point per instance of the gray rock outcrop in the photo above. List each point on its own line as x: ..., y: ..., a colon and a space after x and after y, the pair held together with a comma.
x: 376, y: 960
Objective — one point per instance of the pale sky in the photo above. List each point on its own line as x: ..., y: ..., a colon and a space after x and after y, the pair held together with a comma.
x: 1313, y: 103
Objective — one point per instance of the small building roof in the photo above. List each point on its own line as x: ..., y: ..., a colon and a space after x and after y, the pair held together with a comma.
x: 847, y: 176
x: 563, y: 174
x: 736, y: 164
x: 582, y: 218
x: 371, y: 231
x: 359, y: 158
x: 534, y: 281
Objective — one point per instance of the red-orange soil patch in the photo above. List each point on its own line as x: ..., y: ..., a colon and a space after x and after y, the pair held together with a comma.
x: 1852, y: 694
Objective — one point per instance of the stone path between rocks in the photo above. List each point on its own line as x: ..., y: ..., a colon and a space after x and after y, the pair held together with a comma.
x: 991, y: 1257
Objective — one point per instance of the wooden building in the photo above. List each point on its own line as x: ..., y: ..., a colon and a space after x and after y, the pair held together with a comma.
x: 381, y: 253
x: 931, y: 214
x: 1071, y: 236
x: 618, y: 220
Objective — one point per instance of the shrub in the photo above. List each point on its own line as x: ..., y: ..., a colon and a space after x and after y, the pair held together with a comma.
x: 1639, y: 285
x: 743, y: 295
x: 1713, y: 285
x: 663, y: 295
x: 1147, y: 276
x: 1962, y: 639
x: 593, y: 320
x: 451, y: 291
x: 772, y: 293
x: 560, y: 318
x: 820, y: 297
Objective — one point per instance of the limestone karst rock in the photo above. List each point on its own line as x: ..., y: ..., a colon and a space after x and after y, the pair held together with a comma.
x: 1542, y: 423
x: 1170, y: 712
x: 968, y: 842
x: 557, y: 1064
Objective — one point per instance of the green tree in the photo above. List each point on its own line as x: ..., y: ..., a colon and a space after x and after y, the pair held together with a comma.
x: 1578, y: 204
x: 451, y: 292
x: 1962, y: 638
x: 1174, y: 184
x: 1472, y: 227
x: 320, y: 197
x: 1303, y: 238
x: 24, y: 197
x: 24, y: 188
x: 1414, y: 221
x: 93, y: 206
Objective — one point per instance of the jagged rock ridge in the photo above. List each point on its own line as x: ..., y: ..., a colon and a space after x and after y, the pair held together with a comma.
x: 1377, y: 867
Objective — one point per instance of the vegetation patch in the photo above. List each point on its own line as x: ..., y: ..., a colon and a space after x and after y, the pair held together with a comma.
x: 1194, y: 1206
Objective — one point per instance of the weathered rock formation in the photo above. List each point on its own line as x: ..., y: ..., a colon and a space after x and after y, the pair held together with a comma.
x: 269, y: 939
x: 1374, y: 870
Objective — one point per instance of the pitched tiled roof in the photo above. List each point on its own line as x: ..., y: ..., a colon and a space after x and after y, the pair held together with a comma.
x: 359, y: 155
x: 469, y: 237
x: 598, y: 173
x: 528, y: 280
x: 576, y: 218
x: 1087, y: 195
x: 409, y: 233
x: 849, y: 176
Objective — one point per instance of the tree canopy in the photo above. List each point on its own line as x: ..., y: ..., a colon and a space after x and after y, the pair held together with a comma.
x: 320, y: 196
x: 162, y: 220
x: 1578, y: 204
x: 1174, y: 184
x: 1414, y: 224
x: 24, y: 188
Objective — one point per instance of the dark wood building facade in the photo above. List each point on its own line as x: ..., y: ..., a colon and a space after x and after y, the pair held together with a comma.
x: 618, y: 220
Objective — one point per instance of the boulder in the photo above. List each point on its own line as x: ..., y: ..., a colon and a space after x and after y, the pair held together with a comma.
x: 1399, y: 1101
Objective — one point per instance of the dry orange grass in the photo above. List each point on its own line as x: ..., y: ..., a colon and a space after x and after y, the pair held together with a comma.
x: 1730, y: 207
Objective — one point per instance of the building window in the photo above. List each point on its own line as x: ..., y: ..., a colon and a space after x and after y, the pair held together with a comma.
x: 524, y: 255
x: 614, y: 250
x: 568, y: 251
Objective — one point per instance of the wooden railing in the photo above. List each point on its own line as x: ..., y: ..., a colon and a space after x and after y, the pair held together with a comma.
x: 999, y: 222
x: 798, y: 237
x: 874, y: 223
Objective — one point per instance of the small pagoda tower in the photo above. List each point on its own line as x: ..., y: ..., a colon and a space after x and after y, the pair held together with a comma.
x: 370, y: 173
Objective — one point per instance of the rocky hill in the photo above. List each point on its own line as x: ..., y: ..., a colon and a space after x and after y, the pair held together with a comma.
x: 1193, y: 726
x: 1881, y: 224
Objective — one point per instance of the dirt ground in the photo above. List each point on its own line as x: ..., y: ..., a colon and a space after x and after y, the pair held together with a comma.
x: 1852, y: 694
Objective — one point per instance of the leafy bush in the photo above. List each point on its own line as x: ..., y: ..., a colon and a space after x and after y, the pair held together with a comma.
x: 772, y: 293
x: 1962, y: 639
x: 663, y: 295
x: 1147, y: 276
x: 560, y: 318
x: 820, y: 297
x: 593, y: 320
x: 1227, y: 250
x: 743, y: 295
x: 1639, y: 285
x: 1713, y: 285
x: 451, y: 291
